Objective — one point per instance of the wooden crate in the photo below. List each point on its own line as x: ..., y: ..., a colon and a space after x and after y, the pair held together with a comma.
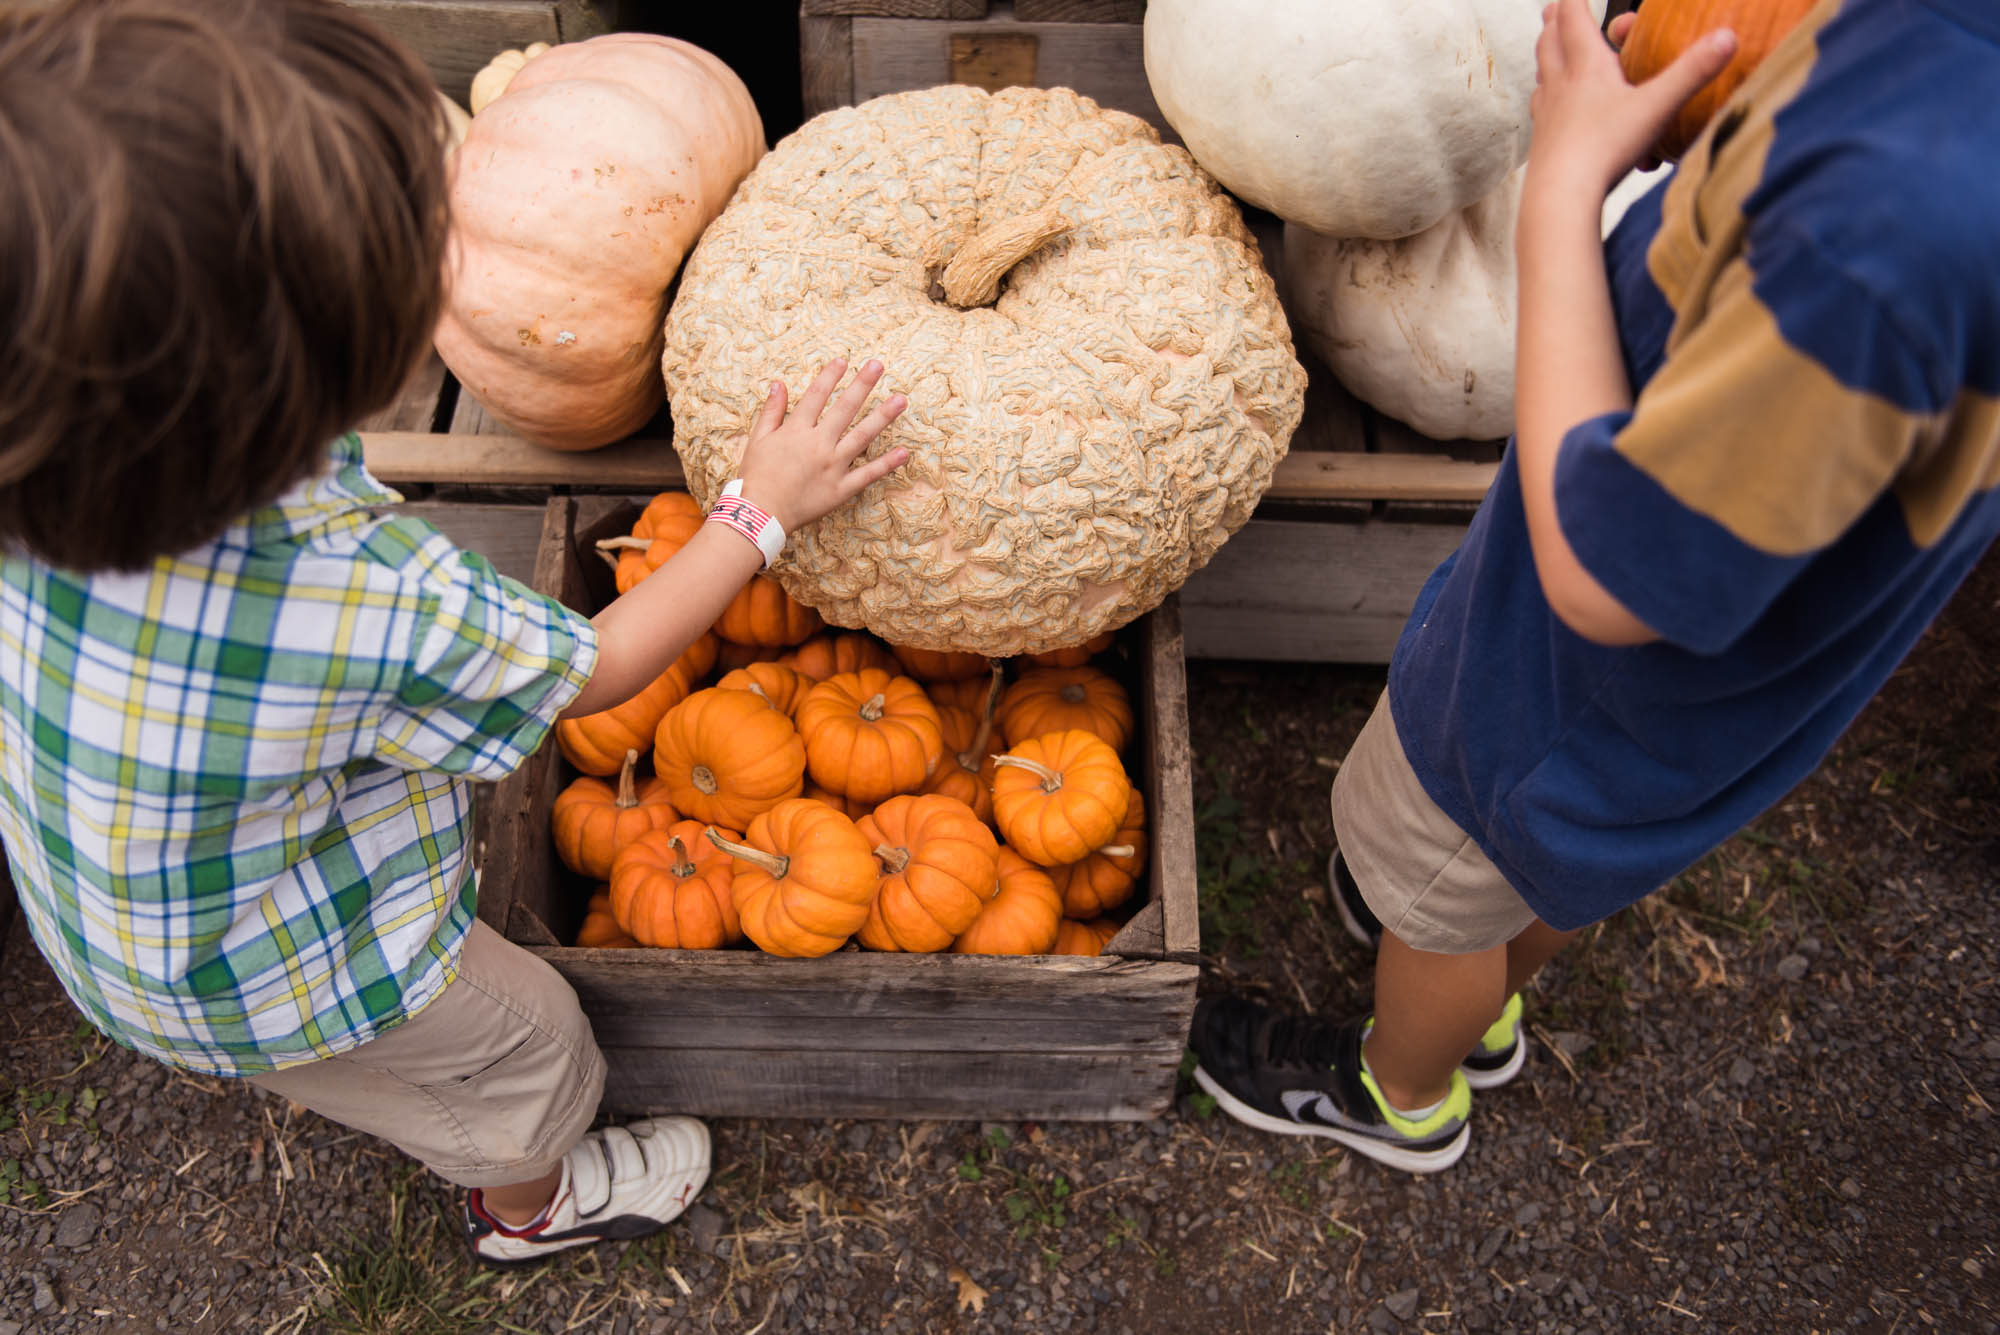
x: 852, y: 50
x: 456, y: 38
x: 741, y: 1033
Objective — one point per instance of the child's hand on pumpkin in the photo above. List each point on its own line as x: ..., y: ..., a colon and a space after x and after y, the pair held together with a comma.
x: 1591, y: 123
x: 802, y: 465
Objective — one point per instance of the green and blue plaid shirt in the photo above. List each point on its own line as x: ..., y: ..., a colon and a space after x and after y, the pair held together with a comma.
x: 234, y: 787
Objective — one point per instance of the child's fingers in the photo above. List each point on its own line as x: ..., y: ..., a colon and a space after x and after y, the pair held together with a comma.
x: 864, y: 476
x: 1580, y: 33
x: 1619, y: 29
x: 773, y: 414
x: 1695, y: 66
x: 843, y: 409
x: 1548, y: 47
x: 864, y: 432
x: 813, y: 402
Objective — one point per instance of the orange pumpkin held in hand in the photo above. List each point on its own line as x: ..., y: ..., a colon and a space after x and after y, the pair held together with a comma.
x: 1057, y: 699
x: 940, y: 864
x: 597, y: 743
x: 1022, y: 918
x: 591, y: 820
x: 671, y: 888
x: 1666, y: 28
x: 870, y: 735
x: 727, y: 757
x: 1104, y: 880
x: 1059, y: 797
x: 805, y: 876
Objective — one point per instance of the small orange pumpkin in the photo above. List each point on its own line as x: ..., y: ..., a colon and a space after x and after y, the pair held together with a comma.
x: 1083, y: 938
x: 1104, y: 880
x: 969, y: 695
x: 1060, y: 796
x: 928, y: 665
x: 1023, y: 916
x: 765, y: 615
x: 597, y: 743
x: 966, y: 772
x: 824, y: 656
x: 1049, y: 700
x: 671, y: 888
x: 779, y: 686
x: 600, y: 931
x: 591, y: 820
x: 870, y: 735
x: 663, y: 528
x: 1666, y: 28
x: 1074, y: 656
x: 805, y: 876
x: 940, y: 864
x: 727, y: 757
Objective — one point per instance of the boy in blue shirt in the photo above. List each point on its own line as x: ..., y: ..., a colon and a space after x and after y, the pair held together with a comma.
x: 239, y: 713
x: 1758, y: 443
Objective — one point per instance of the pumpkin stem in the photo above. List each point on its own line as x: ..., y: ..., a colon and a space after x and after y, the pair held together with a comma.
x: 872, y: 710
x: 683, y: 864
x: 704, y: 779
x: 969, y: 759
x: 973, y: 276
x: 1118, y: 850
x: 894, y: 857
x: 1052, y: 779
x: 628, y: 796
x: 626, y: 543
x: 775, y: 863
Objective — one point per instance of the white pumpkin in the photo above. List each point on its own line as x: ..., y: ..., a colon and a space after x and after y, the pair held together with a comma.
x: 1422, y: 328
x: 1368, y: 118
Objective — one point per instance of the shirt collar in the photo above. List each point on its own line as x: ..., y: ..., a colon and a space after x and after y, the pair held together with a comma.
x: 340, y: 495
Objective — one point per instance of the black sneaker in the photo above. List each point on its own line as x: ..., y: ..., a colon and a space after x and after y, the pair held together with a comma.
x: 1299, y: 1076
x: 1355, y: 915
x: 1502, y: 1049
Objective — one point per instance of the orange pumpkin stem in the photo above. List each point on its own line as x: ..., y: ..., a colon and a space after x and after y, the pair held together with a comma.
x: 872, y: 710
x: 628, y: 795
x: 1052, y: 779
x: 627, y: 543
x: 683, y: 864
x: 971, y: 758
x: 704, y: 778
x: 774, y: 863
x: 894, y: 857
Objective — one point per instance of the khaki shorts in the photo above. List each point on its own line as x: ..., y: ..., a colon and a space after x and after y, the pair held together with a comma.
x: 490, y: 1084
x: 1422, y: 875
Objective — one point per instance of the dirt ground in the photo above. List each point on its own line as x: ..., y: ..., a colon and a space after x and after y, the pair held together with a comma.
x: 1762, y: 1101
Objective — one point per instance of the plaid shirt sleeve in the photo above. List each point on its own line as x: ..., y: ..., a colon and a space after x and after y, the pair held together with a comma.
x: 491, y: 664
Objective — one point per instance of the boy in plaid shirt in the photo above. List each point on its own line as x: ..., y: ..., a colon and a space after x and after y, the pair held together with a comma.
x: 239, y: 714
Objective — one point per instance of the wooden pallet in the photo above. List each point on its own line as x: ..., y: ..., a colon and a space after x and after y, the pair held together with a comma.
x: 741, y: 1033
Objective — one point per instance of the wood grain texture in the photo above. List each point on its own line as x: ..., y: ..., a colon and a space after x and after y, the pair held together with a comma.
x: 509, y: 536
x: 894, y: 9
x: 649, y: 464
x: 826, y: 64
x: 1103, y: 61
x: 1080, y: 11
x: 1056, y: 1086
x: 456, y: 38
x: 1331, y: 593
x: 418, y: 406
x: 1169, y: 778
x: 993, y: 61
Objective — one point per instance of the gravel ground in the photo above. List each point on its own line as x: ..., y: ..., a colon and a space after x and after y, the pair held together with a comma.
x: 1760, y: 1102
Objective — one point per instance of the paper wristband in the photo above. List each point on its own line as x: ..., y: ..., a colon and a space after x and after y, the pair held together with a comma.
x: 754, y: 523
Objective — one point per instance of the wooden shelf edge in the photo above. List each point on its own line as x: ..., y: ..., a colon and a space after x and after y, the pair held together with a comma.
x: 643, y: 464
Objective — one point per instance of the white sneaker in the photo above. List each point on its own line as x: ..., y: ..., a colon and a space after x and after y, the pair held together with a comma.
x: 619, y: 1182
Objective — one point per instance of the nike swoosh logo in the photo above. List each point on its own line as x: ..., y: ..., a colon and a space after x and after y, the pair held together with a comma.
x: 1299, y: 1102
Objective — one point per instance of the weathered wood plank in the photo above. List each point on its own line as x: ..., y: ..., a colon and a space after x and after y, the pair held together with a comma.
x: 1056, y: 1086
x: 1336, y: 593
x: 1169, y: 779
x: 894, y: 9
x: 456, y: 38
x: 1103, y: 61
x: 1080, y: 11
x: 507, y: 535
x: 826, y: 64
x: 417, y: 406
x: 649, y: 464
x: 470, y: 418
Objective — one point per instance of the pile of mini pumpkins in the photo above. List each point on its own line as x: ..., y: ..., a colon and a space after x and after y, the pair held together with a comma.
x: 830, y: 787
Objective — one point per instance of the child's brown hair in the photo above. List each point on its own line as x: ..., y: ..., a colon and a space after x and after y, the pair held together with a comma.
x: 222, y: 233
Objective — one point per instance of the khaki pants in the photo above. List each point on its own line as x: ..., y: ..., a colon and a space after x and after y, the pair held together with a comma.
x: 489, y: 1085
x: 1423, y: 877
